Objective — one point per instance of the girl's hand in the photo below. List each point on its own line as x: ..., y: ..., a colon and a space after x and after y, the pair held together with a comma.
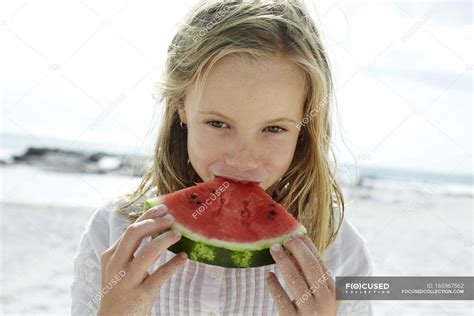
x: 307, y: 277
x: 127, y: 287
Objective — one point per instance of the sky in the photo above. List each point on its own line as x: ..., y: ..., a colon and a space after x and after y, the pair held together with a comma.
x: 85, y: 71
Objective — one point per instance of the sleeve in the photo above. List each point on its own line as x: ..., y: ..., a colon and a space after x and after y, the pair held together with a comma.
x: 358, y: 262
x: 85, y: 288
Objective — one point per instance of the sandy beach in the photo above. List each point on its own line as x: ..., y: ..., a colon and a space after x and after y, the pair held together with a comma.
x: 409, y: 232
x: 413, y: 234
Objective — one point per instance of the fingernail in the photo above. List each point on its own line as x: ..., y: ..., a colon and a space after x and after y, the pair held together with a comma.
x: 159, y: 210
x: 183, y: 255
x: 172, y: 233
x: 276, y: 247
x: 168, y: 217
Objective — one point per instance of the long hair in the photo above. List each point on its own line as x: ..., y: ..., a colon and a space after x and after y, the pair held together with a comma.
x: 254, y: 30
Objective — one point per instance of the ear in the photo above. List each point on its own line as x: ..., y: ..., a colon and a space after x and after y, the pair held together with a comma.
x: 182, y: 112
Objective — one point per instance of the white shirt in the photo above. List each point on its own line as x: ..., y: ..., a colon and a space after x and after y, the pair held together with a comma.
x: 202, y: 289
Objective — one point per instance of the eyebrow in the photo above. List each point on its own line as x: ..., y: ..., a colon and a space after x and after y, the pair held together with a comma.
x: 229, y: 119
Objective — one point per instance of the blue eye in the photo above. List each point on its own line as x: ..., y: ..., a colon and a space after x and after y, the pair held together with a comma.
x: 272, y: 129
x: 210, y: 123
x: 278, y: 129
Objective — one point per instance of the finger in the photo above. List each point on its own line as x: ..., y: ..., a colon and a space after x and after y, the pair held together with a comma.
x: 297, y: 265
x: 155, y: 280
x: 150, y: 253
x: 135, y: 233
x: 156, y: 211
x: 146, y: 274
x: 293, y: 278
x: 284, y: 304
x: 309, y: 243
x: 307, y: 261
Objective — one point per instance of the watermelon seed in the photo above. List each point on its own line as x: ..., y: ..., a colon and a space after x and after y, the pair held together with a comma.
x: 193, y: 195
x: 244, y: 213
x: 272, y: 214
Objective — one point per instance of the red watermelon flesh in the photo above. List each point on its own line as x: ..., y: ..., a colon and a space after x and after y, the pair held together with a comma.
x: 243, y: 212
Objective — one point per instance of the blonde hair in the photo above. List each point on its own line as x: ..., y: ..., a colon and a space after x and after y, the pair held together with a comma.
x: 254, y: 30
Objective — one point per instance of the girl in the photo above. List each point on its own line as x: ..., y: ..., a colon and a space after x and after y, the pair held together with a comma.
x: 246, y: 95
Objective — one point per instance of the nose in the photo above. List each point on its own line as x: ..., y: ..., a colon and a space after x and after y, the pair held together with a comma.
x: 242, y: 159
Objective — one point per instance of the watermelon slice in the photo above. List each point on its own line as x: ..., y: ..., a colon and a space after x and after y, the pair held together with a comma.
x: 226, y: 223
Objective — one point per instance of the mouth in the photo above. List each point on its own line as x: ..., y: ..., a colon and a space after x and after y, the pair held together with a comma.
x: 238, y: 179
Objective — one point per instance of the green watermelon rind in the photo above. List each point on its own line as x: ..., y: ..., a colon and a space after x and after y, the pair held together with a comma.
x: 222, y: 253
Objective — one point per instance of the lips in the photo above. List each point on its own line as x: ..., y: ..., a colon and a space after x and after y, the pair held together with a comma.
x: 238, y: 179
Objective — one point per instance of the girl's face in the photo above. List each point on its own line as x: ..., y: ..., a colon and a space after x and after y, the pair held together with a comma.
x: 245, y: 125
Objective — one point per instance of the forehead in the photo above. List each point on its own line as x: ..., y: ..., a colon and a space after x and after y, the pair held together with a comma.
x: 238, y: 86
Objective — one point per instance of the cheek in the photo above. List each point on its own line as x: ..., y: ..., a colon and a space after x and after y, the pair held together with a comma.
x: 278, y: 153
x: 202, y: 145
